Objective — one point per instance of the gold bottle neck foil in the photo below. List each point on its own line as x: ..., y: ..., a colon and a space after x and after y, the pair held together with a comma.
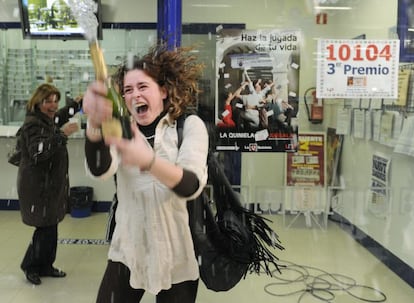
x: 101, y: 71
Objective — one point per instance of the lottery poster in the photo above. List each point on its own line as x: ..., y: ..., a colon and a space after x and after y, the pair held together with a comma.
x: 306, y: 167
x: 257, y: 92
x: 357, y: 68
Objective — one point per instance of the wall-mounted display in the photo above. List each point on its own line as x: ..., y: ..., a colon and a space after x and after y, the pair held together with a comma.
x: 46, y: 19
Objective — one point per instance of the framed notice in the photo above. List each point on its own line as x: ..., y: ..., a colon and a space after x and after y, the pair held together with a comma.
x: 357, y: 68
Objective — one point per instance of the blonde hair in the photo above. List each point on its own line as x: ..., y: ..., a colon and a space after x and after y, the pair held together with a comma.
x: 41, y: 93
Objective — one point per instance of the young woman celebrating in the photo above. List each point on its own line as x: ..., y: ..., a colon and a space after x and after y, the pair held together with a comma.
x: 151, y: 248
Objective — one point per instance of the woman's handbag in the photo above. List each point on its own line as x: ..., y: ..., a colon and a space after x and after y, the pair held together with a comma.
x: 218, y: 271
x: 14, y: 156
x: 229, y: 240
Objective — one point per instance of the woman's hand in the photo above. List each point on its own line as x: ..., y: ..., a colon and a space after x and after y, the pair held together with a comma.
x: 95, y: 104
x: 79, y: 99
x: 134, y: 152
x: 69, y: 128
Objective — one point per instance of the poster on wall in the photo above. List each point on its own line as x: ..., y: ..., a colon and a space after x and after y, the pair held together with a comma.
x: 306, y: 167
x: 257, y: 93
x: 357, y: 68
x: 378, y: 198
x: 334, y: 143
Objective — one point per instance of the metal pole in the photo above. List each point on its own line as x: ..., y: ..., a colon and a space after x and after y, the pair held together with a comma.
x: 169, y: 23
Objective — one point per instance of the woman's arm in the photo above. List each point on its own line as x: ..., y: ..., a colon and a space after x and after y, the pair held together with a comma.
x: 65, y: 113
x: 188, y: 184
x: 100, y: 160
x: 188, y: 177
x: 192, y: 156
x: 166, y: 172
x: 42, y: 141
x: 238, y: 91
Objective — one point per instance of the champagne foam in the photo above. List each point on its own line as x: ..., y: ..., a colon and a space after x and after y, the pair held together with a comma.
x: 84, y: 13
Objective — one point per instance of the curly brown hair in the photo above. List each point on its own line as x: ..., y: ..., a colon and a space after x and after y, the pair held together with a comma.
x: 177, y: 70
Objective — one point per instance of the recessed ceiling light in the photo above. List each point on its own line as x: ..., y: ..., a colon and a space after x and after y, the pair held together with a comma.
x: 211, y: 5
x: 333, y: 7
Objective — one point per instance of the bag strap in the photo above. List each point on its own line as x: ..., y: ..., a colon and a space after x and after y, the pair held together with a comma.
x: 180, y: 128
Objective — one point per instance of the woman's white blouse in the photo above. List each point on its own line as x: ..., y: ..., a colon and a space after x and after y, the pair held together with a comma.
x: 152, y: 236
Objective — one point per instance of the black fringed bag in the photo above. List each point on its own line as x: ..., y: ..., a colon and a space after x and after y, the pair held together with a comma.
x: 230, y: 241
x: 217, y: 271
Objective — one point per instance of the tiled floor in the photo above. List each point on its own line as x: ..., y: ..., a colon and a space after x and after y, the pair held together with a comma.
x: 317, y: 251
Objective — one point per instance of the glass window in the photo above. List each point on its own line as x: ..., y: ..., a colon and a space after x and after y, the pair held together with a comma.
x: 333, y: 174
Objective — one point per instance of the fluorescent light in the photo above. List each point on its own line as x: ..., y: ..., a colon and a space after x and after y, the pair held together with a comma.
x: 333, y: 7
x: 211, y: 5
x: 266, y: 25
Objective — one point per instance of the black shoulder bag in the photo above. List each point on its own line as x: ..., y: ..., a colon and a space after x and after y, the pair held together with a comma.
x: 14, y: 156
x: 230, y: 241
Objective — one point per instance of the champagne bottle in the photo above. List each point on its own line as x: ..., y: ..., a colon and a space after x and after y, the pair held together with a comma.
x: 120, y: 124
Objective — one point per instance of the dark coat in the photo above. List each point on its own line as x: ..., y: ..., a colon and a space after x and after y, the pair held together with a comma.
x: 43, y: 181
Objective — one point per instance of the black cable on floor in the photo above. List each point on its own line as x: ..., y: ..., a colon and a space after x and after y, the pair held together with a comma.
x: 321, y: 285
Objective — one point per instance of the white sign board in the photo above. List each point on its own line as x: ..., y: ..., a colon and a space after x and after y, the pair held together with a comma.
x: 357, y: 68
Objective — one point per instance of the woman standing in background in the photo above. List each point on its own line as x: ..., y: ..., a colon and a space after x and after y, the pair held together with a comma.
x: 42, y: 181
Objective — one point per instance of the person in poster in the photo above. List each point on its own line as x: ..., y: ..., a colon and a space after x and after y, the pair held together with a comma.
x: 257, y: 90
x: 333, y: 156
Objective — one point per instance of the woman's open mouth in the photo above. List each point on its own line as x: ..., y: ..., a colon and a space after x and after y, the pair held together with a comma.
x: 141, y: 108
